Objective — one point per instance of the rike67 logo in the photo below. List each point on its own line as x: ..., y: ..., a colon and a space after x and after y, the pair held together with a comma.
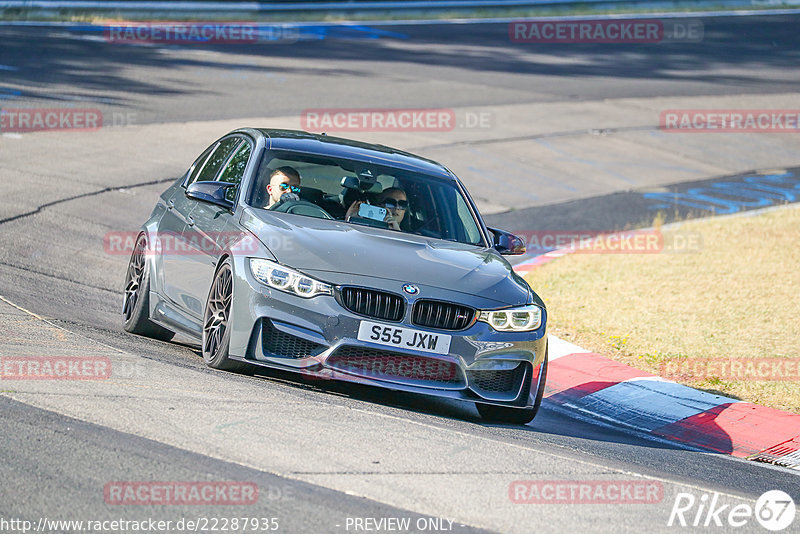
x: 774, y: 510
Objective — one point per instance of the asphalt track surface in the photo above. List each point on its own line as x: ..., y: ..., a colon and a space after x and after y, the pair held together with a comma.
x: 434, y: 66
x: 371, y: 454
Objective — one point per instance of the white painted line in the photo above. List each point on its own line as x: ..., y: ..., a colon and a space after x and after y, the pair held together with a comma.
x: 557, y: 347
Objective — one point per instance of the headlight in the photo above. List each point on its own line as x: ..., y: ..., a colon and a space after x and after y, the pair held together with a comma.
x: 522, y: 319
x: 279, y: 277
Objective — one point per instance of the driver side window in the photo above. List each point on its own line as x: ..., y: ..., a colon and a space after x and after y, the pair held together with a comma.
x: 215, y: 161
x: 234, y: 171
x: 197, y: 166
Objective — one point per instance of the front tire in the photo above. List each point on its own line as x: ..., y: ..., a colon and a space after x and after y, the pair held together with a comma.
x: 136, y: 302
x: 515, y: 416
x: 216, y: 321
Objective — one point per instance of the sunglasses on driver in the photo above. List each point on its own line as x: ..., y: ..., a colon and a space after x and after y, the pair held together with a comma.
x: 286, y: 187
x: 391, y: 204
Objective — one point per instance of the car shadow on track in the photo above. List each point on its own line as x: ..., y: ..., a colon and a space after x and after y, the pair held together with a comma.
x: 552, y: 420
x: 554, y: 423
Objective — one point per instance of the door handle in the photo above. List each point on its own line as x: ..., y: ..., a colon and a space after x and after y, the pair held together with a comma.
x: 170, y: 204
x: 191, y: 221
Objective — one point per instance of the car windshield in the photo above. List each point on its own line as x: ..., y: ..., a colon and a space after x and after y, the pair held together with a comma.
x: 366, y: 194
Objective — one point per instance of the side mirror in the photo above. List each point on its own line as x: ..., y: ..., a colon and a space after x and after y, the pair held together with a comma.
x: 507, y: 243
x: 211, y: 192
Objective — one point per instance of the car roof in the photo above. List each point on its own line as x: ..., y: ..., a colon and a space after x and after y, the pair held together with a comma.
x: 326, y: 145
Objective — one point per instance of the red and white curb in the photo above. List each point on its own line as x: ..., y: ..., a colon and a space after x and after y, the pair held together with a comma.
x: 600, y: 388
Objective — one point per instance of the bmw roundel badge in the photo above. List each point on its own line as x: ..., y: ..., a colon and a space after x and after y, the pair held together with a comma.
x: 411, y: 289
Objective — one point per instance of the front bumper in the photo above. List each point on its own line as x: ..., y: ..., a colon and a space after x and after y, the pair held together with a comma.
x: 318, y: 338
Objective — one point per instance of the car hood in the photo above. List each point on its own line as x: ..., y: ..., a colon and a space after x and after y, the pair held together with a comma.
x: 332, y: 250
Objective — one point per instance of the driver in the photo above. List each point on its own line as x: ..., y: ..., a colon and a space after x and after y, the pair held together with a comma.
x: 284, y: 184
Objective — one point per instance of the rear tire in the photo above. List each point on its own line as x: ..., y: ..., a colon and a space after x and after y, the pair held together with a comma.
x: 515, y: 416
x: 216, y: 319
x: 136, y: 302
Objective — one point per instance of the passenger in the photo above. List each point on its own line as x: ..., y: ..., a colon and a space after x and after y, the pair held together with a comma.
x: 284, y: 184
x: 394, y: 200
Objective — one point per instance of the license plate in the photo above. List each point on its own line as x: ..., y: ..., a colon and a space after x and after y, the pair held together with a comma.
x: 407, y: 338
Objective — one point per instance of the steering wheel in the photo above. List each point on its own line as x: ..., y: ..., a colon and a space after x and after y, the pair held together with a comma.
x: 301, y: 207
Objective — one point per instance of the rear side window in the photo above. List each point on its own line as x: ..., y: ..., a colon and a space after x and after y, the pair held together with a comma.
x: 216, y: 160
